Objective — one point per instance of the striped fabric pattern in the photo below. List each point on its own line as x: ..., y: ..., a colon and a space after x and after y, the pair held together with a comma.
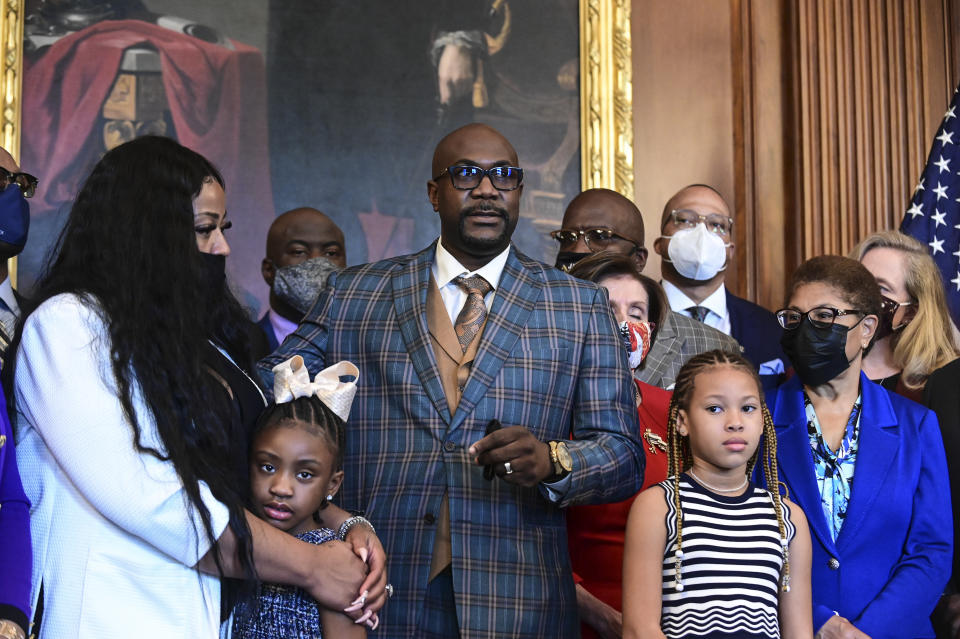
x: 732, y: 558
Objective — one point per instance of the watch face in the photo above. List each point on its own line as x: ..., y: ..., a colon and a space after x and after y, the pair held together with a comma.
x: 563, y: 456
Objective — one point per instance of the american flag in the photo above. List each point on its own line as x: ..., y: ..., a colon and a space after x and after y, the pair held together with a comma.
x: 934, y: 213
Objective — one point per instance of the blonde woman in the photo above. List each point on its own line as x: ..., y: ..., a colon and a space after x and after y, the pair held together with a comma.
x: 915, y: 335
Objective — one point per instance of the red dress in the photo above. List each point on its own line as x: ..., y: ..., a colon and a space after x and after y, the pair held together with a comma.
x: 596, y: 533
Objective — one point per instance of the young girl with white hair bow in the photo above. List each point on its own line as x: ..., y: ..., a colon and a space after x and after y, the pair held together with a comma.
x: 295, y: 469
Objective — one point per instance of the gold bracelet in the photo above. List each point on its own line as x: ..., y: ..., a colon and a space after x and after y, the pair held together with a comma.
x: 10, y: 630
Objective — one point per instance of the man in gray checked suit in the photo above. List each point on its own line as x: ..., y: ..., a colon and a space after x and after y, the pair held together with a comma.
x: 494, y: 392
x: 605, y: 220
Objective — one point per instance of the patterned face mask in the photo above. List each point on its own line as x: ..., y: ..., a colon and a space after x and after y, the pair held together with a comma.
x: 637, y: 337
x: 299, y: 284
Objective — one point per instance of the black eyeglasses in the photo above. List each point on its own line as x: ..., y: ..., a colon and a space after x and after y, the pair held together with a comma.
x: 467, y: 177
x: 820, y: 317
x: 26, y: 182
x: 716, y: 223
x: 597, y: 239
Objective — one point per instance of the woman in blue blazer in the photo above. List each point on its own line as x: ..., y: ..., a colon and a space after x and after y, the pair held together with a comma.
x: 867, y: 466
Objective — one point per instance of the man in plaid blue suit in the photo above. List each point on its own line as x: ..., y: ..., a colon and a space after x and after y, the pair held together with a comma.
x: 468, y: 556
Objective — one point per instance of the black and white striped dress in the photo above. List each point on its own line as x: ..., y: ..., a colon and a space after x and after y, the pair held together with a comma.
x: 732, y: 558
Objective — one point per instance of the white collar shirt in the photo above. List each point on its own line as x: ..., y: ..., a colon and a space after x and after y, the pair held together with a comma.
x: 716, y: 304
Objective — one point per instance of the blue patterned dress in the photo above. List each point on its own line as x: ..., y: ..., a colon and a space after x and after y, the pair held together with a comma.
x: 281, y: 612
x: 834, y: 470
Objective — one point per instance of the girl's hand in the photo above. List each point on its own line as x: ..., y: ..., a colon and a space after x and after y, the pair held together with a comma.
x: 366, y: 545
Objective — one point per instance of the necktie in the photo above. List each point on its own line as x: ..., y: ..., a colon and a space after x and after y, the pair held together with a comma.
x: 8, y: 323
x: 698, y: 313
x: 474, y: 311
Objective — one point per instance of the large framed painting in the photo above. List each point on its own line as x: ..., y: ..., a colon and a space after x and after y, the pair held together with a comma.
x: 332, y: 104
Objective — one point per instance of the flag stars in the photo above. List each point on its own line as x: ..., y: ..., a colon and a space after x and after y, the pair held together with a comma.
x: 936, y: 245
x: 938, y: 218
x: 945, y: 138
x: 920, y: 186
x: 956, y: 280
x: 943, y: 164
x: 941, y: 191
x: 949, y: 114
x: 915, y: 210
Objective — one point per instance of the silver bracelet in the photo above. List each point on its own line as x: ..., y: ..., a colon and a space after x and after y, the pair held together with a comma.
x: 350, y: 523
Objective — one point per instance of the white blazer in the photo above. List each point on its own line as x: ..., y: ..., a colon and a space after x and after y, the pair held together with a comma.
x: 114, y: 540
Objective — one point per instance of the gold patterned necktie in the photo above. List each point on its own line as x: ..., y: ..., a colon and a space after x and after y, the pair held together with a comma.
x: 474, y: 311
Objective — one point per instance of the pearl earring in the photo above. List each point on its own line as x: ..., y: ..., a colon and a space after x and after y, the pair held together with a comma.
x: 329, y: 497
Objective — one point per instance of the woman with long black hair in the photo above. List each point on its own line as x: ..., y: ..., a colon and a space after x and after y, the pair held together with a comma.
x: 133, y: 404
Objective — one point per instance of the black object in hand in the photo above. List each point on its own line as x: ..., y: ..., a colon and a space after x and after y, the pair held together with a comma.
x: 492, y: 427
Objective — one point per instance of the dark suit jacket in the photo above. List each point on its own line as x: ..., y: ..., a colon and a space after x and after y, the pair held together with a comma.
x: 942, y: 396
x: 757, y: 330
x: 550, y: 358
x: 892, y: 557
x: 268, y: 333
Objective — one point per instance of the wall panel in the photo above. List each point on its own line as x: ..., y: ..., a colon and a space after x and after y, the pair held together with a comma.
x: 814, y: 117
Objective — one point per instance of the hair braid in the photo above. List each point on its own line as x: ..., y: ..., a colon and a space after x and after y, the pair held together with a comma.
x: 674, y: 468
x: 771, y: 476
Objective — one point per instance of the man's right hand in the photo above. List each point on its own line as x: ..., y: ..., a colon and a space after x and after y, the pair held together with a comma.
x: 838, y: 627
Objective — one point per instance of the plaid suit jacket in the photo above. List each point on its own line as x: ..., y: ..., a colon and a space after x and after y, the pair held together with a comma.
x: 678, y: 339
x: 549, y: 359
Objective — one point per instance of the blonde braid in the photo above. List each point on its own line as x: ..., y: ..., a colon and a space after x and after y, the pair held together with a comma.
x: 674, y: 468
x: 771, y: 475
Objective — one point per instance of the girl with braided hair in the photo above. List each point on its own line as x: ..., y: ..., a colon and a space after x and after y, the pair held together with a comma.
x: 728, y: 558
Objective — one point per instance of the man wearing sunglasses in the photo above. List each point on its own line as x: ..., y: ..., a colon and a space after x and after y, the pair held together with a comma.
x: 695, y: 246
x: 15, y: 188
x: 600, y: 220
x: 493, y: 394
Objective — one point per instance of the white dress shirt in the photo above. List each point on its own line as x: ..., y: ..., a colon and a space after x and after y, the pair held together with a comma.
x: 716, y: 304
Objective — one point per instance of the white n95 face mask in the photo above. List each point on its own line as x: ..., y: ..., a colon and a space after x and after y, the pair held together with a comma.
x: 696, y: 253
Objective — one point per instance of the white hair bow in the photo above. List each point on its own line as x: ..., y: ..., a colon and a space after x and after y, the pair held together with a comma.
x: 291, y: 380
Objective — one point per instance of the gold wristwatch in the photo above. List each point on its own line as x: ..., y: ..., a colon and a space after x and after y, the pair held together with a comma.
x: 562, y: 461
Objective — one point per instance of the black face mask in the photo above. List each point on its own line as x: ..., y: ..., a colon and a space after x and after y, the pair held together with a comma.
x: 885, y: 325
x: 214, y: 269
x: 817, y: 354
x: 566, y: 260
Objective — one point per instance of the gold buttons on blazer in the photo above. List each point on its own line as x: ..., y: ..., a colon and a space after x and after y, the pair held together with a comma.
x: 3, y: 440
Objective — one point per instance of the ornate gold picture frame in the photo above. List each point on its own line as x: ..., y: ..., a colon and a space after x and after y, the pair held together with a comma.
x: 606, y: 123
